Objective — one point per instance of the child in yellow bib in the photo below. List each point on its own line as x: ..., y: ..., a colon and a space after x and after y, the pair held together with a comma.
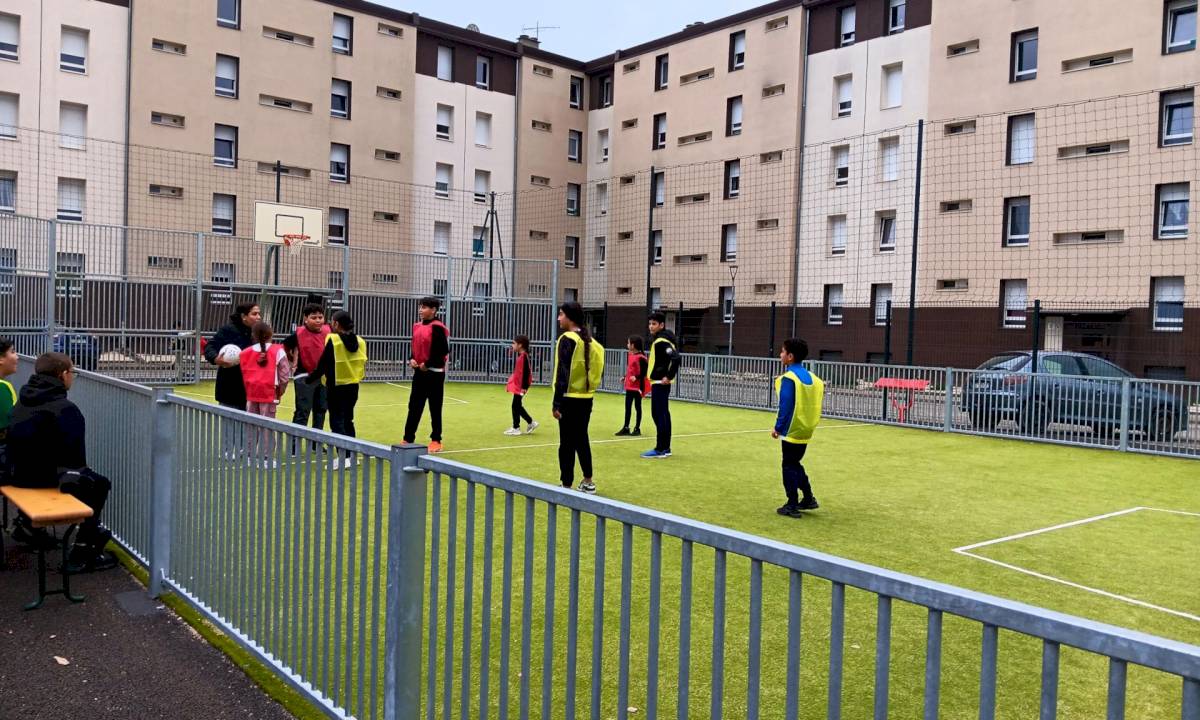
x: 800, y: 396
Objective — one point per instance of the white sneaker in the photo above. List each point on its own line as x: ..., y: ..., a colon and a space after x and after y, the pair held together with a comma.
x: 512, y: 432
x: 532, y: 426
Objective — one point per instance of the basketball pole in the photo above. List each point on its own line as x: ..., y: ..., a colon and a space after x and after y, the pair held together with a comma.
x: 266, y: 301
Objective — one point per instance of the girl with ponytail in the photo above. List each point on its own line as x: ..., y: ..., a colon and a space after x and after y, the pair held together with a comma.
x: 578, y: 367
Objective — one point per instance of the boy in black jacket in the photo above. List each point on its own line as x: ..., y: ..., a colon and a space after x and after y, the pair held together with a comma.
x: 47, y: 449
x: 664, y: 365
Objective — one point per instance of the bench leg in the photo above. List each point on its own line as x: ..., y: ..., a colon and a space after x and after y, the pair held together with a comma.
x: 66, y: 573
x: 67, y: 547
x: 41, y: 572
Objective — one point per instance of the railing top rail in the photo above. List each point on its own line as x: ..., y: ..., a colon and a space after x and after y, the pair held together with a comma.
x: 339, y: 441
x: 102, y: 379
x: 1140, y: 648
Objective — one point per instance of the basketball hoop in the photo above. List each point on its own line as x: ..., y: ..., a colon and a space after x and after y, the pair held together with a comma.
x: 294, y: 242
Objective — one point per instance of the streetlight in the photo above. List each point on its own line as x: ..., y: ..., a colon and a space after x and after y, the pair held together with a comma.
x: 732, y: 294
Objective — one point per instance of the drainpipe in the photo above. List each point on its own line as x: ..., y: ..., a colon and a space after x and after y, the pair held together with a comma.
x: 798, y: 200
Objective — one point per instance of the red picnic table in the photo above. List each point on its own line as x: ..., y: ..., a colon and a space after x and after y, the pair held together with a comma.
x: 910, y: 386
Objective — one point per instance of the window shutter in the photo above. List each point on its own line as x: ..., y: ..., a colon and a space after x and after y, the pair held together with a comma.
x: 70, y: 195
x: 848, y: 15
x: 1168, y: 289
x: 895, y: 86
x: 10, y: 30
x: 845, y: 90
x: 443, y: 115
x: 1022, y: 141
x: 735, y: 112
x: 223, y: 207
x: 341, y: 26
x: 739, y: 43
x: 1014, y: 295
x: 481, y: 181
x: 74, y: 42
x: 839, y: 233
x: 483, y: 130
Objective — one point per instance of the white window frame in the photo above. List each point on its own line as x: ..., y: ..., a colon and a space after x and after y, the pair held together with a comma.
x: 10, y: 115
x: 737, y: 50
x: 339, y: 162
x: 660, y: 131
x: 887, y: 232
x: 443, y: 126
x: 445, y: 63
x: 574, y: 145
x: 441, y: 237
x: 10, y: 37
x: 338, y: 218
x: 727, y: 306
x: 881, y: 295
x: 1174, y: 10
x: 236, y: 21
x: 893, y: 86
x: 1015, y: 300
x: 1168, y: 292
x: 483, y: 72
x: 72, y: 118
x: 847, y: 25
x: 733, y: 178
x: 483, y: 185
x: 343, y: 113
x: 662, y: 77
x: 889, y: 161
x: 227, y: 225
x: 843, y: 99
x: 221, y: 135
x: 9, y: 179
x: 573, y: 192
x: 1170, y: 194
x: 841, y: 166
x: 8, y: 271
x: 837, y: 235
x: 1010, y: 206
x: 729, y: 242
x: 1021, y: 140
x: 65, y: 187
x: 602, y: 139
x: 659, y: 179
x: 656, y: 240
x: 601, y: 252
x: 74, y: 62
x: 443, y: 180
x: 575, y: 96
x: 70, y: 271
x: 227, y: 92
x: 835, y: 299
x: 571, y: 252
x: 735, y: 116
x: 483, y: 129
x: 606, y: 91
x: 343, y: 44
x: 1018, y: 41
x: 1171, y: 101
x: 897, y: 9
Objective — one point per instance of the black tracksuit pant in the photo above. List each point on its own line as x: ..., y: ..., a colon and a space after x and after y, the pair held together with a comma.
x: 795, y: 480
x: 519, y: 412
x: 575, y: 413
x: 633, y: 399
x: 431, y: 386
x: 660, y: 410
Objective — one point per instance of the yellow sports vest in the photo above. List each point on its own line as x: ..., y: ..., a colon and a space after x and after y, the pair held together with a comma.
x: 807, y: 411
x: 348, y: 368
x: 584, y: 379
x: 654, y: 350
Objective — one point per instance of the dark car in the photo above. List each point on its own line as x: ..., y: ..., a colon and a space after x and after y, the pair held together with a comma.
x: 1069, y: 388
x: 83, y: 349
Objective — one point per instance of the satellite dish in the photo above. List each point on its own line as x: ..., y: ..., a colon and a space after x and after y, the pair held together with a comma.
x: 473, y: 27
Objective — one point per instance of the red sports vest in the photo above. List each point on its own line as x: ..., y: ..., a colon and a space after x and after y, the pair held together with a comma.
x: 632, y: 369
x: 311, y: 345
x: 259, y: 379
x: 422, y: 340
x: 516, y: 380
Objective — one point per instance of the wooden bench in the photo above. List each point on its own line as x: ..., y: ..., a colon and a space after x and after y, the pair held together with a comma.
x: 48, y: 507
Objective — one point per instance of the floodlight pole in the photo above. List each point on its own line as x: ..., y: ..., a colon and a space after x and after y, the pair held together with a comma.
x: 732, y: 302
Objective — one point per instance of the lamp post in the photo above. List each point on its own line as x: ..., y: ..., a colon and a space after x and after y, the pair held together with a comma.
x: 732, y: 299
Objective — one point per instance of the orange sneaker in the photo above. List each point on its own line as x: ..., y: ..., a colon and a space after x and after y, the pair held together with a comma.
x: 435, y: 447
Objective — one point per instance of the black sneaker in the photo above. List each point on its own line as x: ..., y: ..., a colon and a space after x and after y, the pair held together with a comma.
x: 622, y: 432
x: 36, y: 538
x: 91, y: 562
x: 587, y: 487
x: 636, y: 431
x: 789, y: 510
x: 809, y: 503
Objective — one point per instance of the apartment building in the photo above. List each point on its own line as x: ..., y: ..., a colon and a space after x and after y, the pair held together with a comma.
x: 62, y: 123
x: 867, y: 67
x: 1060, y: 168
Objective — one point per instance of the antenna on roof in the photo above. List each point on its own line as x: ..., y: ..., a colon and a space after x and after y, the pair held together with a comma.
x: 537, y: 29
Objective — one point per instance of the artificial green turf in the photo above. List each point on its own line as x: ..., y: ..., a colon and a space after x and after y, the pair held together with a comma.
x: 900, y: 499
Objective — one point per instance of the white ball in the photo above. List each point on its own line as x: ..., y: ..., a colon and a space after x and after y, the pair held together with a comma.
x: 231, y: 354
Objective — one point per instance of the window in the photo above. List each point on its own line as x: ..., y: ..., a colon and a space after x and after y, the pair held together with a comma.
x: 846, y: 22
x: 574, y: 141
x: 573, y: 199
x: 658, y: 181
x: 726, y: 304
x: 388, y: 93
x: 478, y: 234
x: 1024, y: 55
x: 1016, y: 221
x: 445, y: 63
x: 1177, y: 118
x: 606, y: 91
x: 483, y: 72
x: 543, y: 71
x: 729, y: 242
x: 223, y: 213
x: 70, y: 268
x: 72, y: 126
x: 776, y: 23
x: 339, y: 99
x: 343, y: 34
x: 441, y: 238
x: 602, y: 145
x: 381, y: 216
x: 1021, y: 139
x: 833, y: 304
x: 661, y: 78
x: 656, y: 300
x: 889, y: 155
x: 837, y: 235
x: 287, y: 36
x: 8, y: 193
x: 601, y: 252
x: 887, y: 232
x: 70, y: 199
x: 571, y: 252
x: 656, y: 242
x: 601, y: 198
x: 1013, y: 295
x: 225, y: 139
x: 8, y: 270
x: 73, y: 56
x: 339, y: 162
x: 9, y: 105
x: 166, y: 119
x: 442, y: 178
x: 841, y: 166
x: 483, y: 129
x: 896, y: 11
x: 733, y: 178
x: 659, y: 141
x: 389, y: 155
x: 576, y: 98
x: 844, y: 95
x: 1179, y: 26
x: 1172, y: 219
x: 339, y: 224
x: 737, y: 50
x: 10, y: 37
x: 570, y: 294
x: 1168, y: 303
x: 483, y: 185
x: 881, y: 297
x: 227, y: 76
x: 390, y: 30
x: 893, y: 86
x: 733, y: 116
x: 445, y: 121
x: 229, y: 13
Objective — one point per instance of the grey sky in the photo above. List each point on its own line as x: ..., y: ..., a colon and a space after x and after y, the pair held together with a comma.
x: 586, y: 30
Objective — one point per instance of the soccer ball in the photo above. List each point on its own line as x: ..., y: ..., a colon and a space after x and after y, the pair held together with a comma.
x: 231, y: 354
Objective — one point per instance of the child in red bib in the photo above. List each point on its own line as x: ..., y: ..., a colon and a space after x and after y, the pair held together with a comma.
x: 518, y: 385
x: 637, y: 383
x: 430, y: 350
x: 265, y: 373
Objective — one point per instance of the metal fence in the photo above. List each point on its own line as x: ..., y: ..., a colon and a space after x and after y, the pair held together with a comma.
x: 389, y: 587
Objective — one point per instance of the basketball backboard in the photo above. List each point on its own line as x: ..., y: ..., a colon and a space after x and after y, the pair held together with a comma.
x: 274, y: 220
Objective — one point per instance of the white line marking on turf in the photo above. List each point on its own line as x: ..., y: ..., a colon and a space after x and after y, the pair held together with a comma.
x: 649, y: 437
x: 285, y: 403
x: 406, y: 387
x: 965, y: 551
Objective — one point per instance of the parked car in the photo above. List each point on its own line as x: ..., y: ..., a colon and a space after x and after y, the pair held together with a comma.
x: 1069, y: 388
x: 83, y: 349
